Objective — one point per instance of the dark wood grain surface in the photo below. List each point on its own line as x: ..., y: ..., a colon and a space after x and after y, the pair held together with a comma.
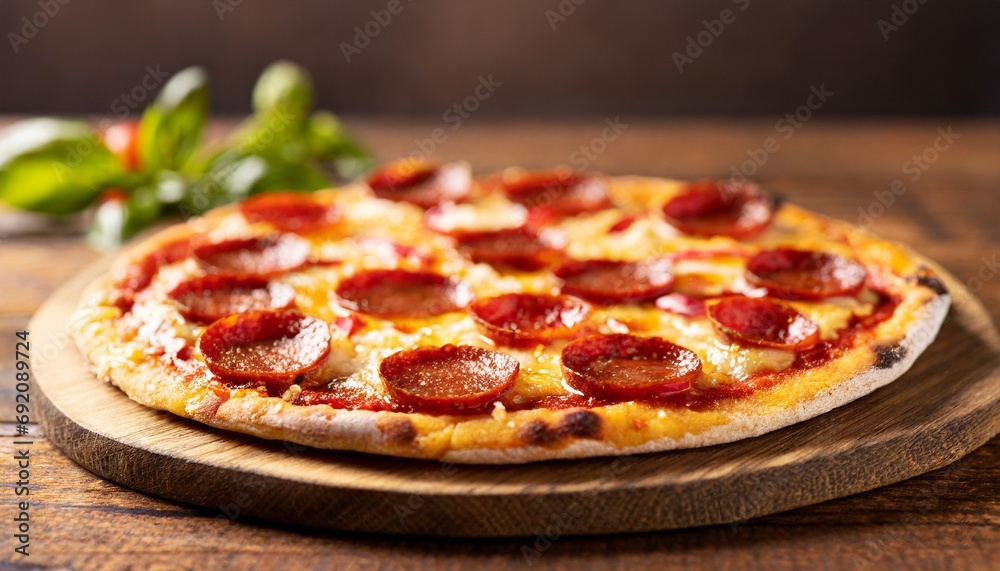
x: 946, y: 519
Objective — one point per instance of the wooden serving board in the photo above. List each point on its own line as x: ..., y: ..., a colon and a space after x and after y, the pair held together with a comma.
x: 947, y: 405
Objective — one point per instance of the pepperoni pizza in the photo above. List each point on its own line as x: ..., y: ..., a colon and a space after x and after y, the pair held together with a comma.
x: 521, y: 316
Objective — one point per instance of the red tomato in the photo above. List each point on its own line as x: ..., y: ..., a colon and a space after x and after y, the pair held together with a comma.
x: 122, y: 139
x: 113, y: 195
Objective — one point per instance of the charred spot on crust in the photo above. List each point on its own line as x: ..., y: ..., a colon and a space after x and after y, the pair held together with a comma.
x: 887, y: 356
x: 581, y: 424
x: 399, y: 431
x: 539, y: 433
x: 926, y: 277
x: 933, y: 283
x: 578, y: 424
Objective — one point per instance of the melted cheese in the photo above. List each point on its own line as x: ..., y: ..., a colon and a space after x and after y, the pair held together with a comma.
x: 492, y: 212
x: 371, y: 228
x: 833, y: 314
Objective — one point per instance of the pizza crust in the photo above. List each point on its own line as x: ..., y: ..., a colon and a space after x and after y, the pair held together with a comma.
x: 507, y: 438
x: 321, y: 426
x: 741, y: 426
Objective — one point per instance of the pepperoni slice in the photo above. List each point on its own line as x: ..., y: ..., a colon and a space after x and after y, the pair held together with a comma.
x: 289, y: 211
x: 627, y: 367
x: 681, y: 304
x: 543, y: 217
x: 739, y: 210
x: 607, y: 281
x: 215, y: 296
x: 764, y: 322
x: 624, y: 224
x: 523, y: 320
x: 558, y: 193
x: 343, y: 396
x: 424, y: 185
x: 269, y: 255
x: 521, y: 248
x: 449, y: 379
x: 265, y: 347
x: 803, y: 274
x: 138, y: 275
x: 401, y: 293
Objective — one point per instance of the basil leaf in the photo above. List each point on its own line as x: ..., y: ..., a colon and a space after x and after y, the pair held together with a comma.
x: 283, y: 97
x: 117, y: 220
x: 235, y: 177
x: 170, y: 187
x: 211, y: 189
x: 53, y: 166
x: 329, y: 141
x: 284, y: 175
x: 172, y: 125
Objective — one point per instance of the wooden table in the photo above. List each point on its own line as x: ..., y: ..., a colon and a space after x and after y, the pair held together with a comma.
x: 946, y: 519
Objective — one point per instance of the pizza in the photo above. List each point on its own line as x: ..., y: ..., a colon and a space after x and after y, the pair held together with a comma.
x: 513, y: 317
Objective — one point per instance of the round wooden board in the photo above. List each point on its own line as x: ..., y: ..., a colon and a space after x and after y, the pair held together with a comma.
x: 947, y: 405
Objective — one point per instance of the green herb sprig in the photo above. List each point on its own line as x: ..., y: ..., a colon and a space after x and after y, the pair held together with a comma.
x: 138, y: 172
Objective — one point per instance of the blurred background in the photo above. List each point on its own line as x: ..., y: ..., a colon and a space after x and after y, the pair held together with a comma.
x: 551, y: 58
